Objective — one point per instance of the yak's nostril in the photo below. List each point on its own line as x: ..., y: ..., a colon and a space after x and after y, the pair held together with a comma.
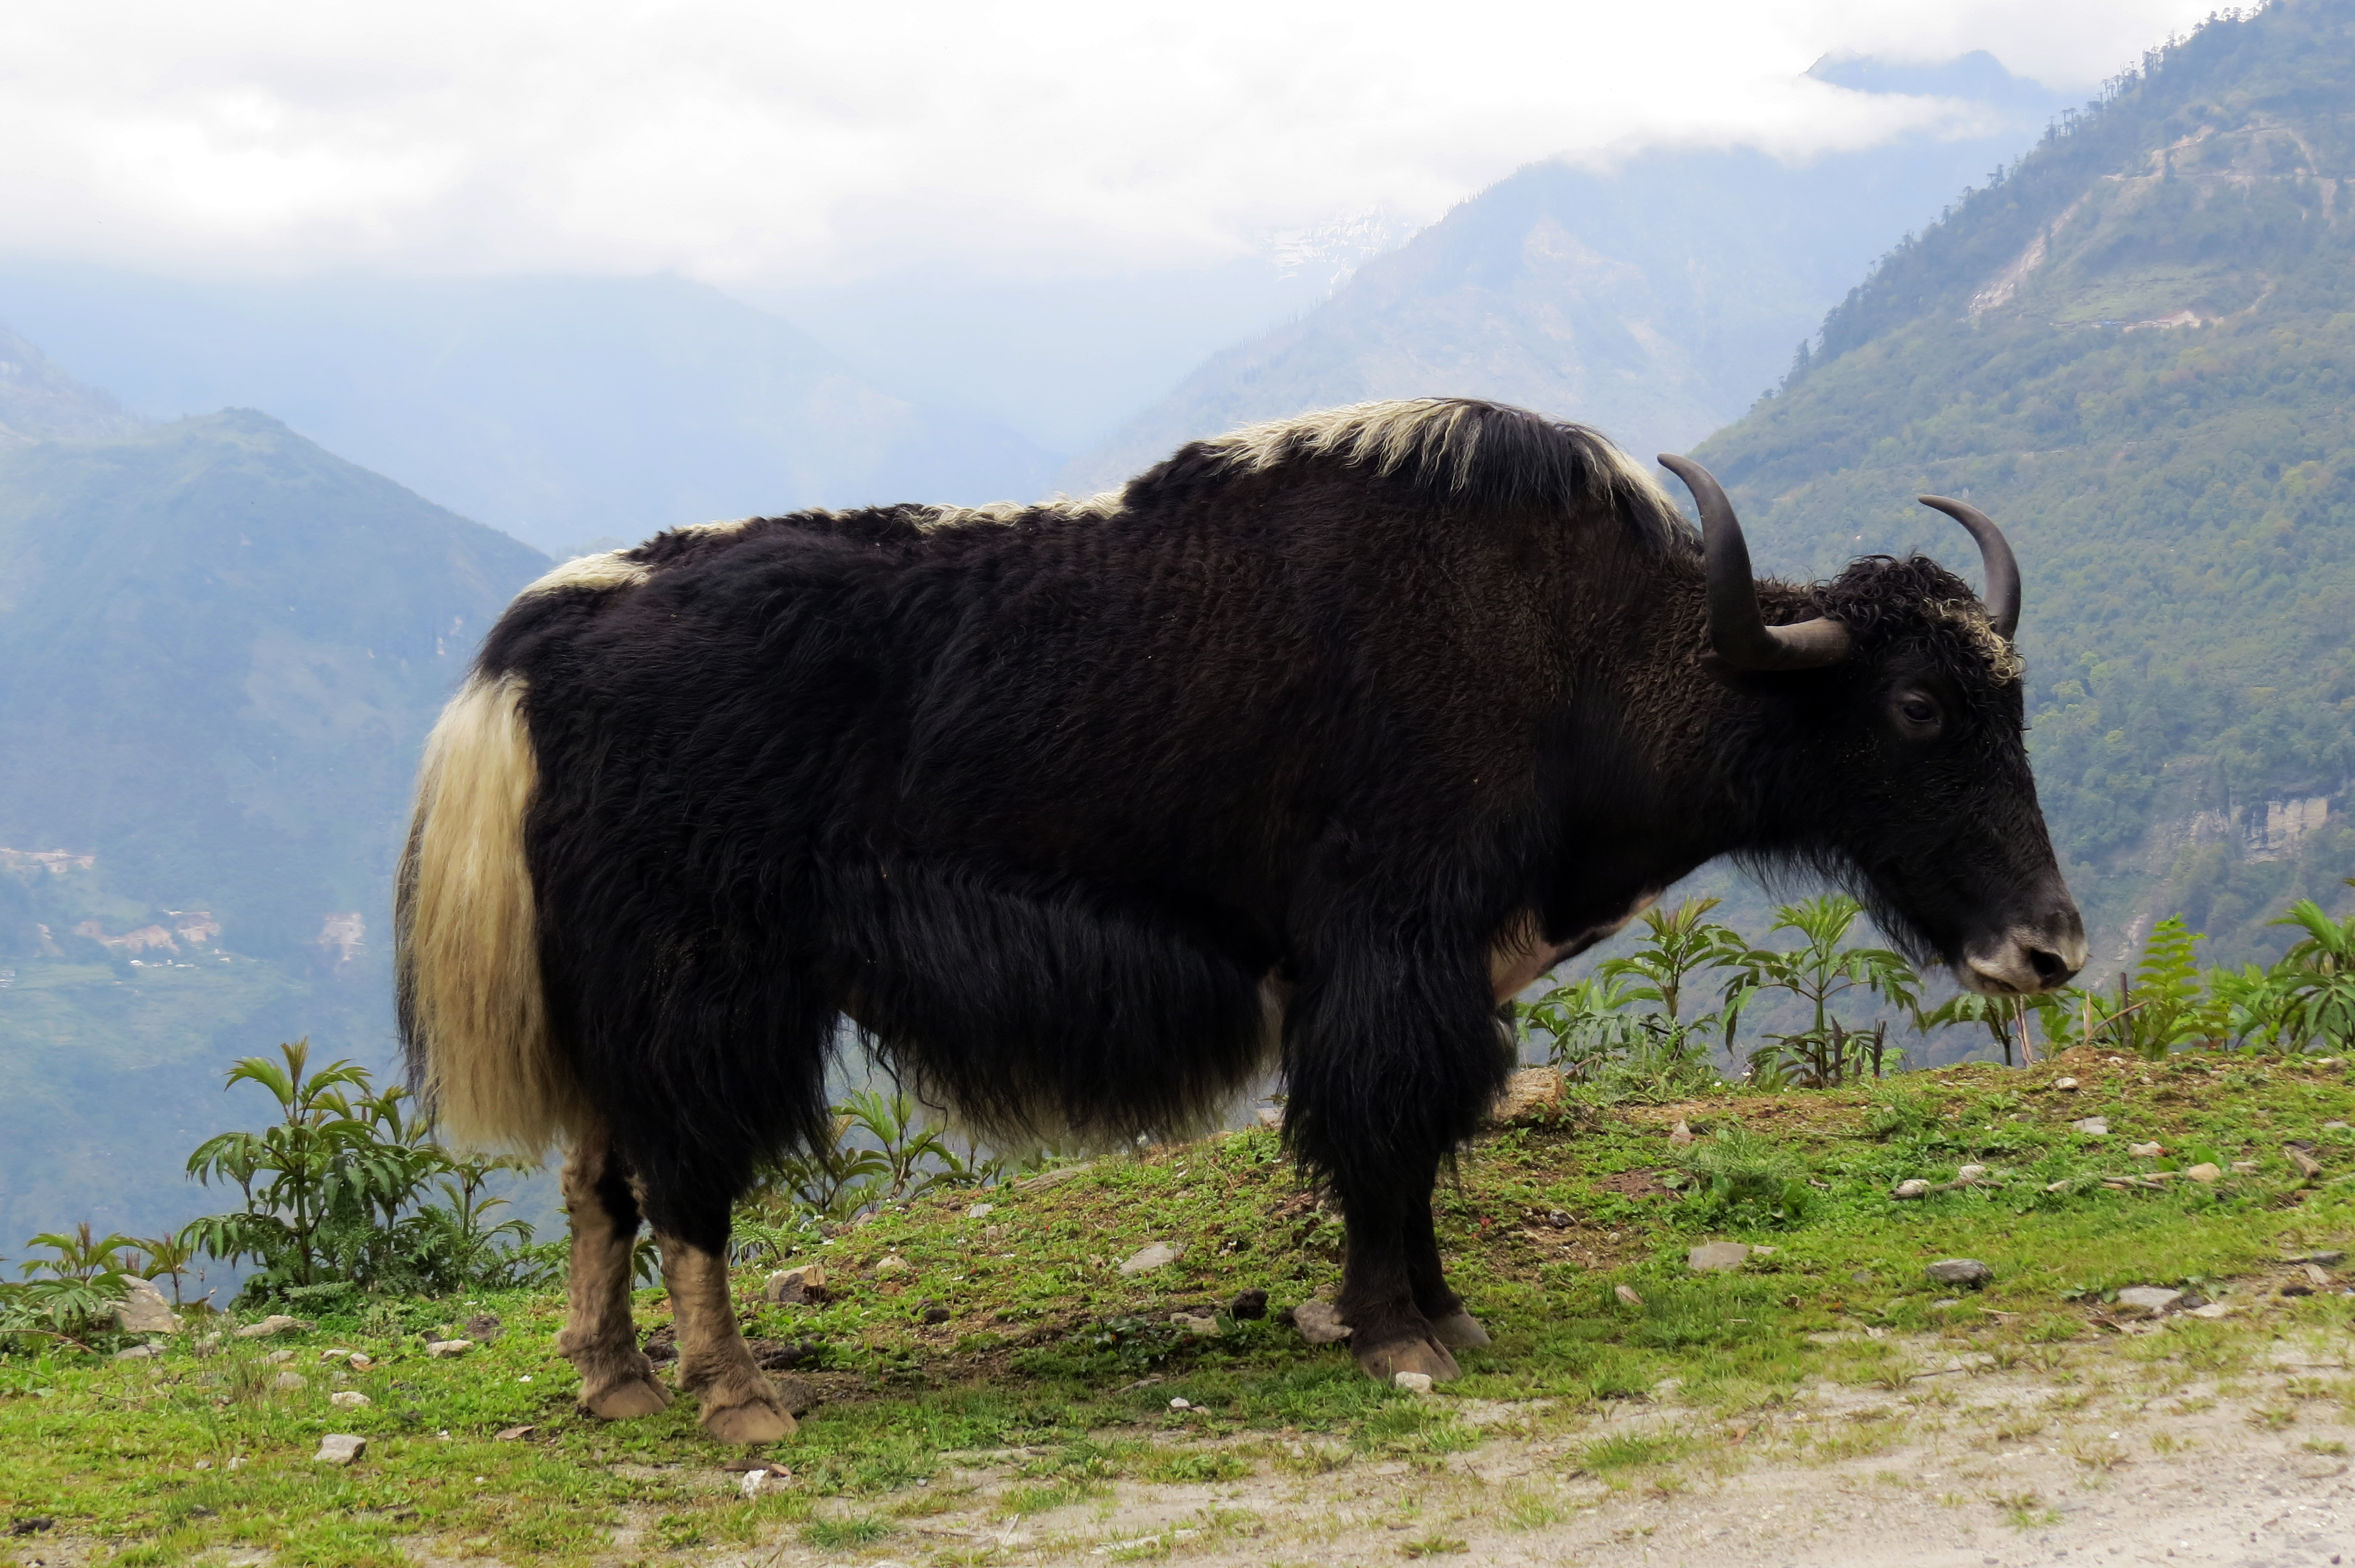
x: 2052, y: 968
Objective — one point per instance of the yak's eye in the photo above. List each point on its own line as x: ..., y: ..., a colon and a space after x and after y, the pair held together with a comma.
x: 1917, y: 714
x: 1920, y: 712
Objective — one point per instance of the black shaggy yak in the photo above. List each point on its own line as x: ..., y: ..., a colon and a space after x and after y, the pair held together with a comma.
x: 1308, y: 745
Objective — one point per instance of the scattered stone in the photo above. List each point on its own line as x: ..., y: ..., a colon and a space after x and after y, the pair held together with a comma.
x: 2328, y: 1260
x: 2145, y: 1151
x: 931, y: 1312
x: 891, y: 1264
x: 276, y: 1323
x: 2093, y: 1126
x: 336, y: 1355
x: 1181, y: 1403
x: 1971, y: 1173
x: 2151, y: 1300
x: 279, y: 1358
x: 1948, y: 1301
x: 31, y: 1525
x: 2204, y: 1171
x: 981, y: 1211
x: 2244, y: 1166
x: 1559, y: 1220
x: 1248, y: 1306
x: 1159, y: 1254
x: 2314, y: 1273
x: 2059, y: 1186
x: 1195, y: 1325
x: 340, y: 1448
x: 1412, y: 1382
x: 744, y: 1466
x: 442, y: 1349
x: 1054, y: 1178
x: 1319, y: 1323
x: 2334, y: 1127
x: 349, y: 1399
x: 484, y: 1328
x: 1528, y: 1093
x: 1717, y: 1257
x: 1626, y: 1294
x: 290, y: 1383
x: 796, y: 1286
x: 752, y: 1482
x: 2308, y: 1167
x: 137, y: 1353
x: 2064, y: 1083
x: 1914, y: 1188
x: 361, y: 1361
x: 516, y: 1433
x: 143, y: 1309
x: 2212, y: 1309
x: 1681, y: 1134
x: 1964, y: 1271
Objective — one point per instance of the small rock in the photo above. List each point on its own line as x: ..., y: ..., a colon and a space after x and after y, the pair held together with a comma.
x: 1681, y: 1134
x: 1319, y: 1323
x: 1160, y: 1255
x: 1971, y: 1173
x: 2149, y: 1299
x: 484, y: 1328
x: 1627, y: 1295
x: 931, y: 1312
x: 1248, y: 1304
x: 752, y: 1482
x: 1412, y: 1382
x: 349, y: 1399
x: 1181, y: 1403
x: 1966, y: 1271
x: 340, y: 1448
x: 1948, y: 1301
x: 441, y: 1349
x: 2059, y: 1186
x: 2204, y: 1171
x: 1717, y: 1257
x: 2064, y: 1083
x: 1559, y: 1220
x: 137, y: 1353
x: 361, y: 1361
x: 1914, y: 1188
x: 143, y: 1309
x: 891, y: 1265
x: 1195, y: 1325
x: 2334, y: 1127
x: 2145, y: 1151
x: 981, y: 1211
x: 1528, y: 1093
x: 515, y: 1434
x: 276, y: 1323
x: 794, y: 1286
x: 2328, y: 1260
x: 2308, y: 1167
x: 279, y: 1358
x: 290, y: 1383
x: 2093, y: 1126
x: 2244, y: 1166
x: 335, y: 1355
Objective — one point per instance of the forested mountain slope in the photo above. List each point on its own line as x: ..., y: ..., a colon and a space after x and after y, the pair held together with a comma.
x: 2137, y: 352
x: 222, y: 647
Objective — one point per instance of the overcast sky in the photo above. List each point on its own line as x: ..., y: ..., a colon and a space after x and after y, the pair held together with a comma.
x: 777, y: 145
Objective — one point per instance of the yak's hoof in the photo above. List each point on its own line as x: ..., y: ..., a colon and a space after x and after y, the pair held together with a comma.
x: 1383, y: 1363
x: 757, y: 1420
x: 630, y: 1398
x: 1459, y: 1330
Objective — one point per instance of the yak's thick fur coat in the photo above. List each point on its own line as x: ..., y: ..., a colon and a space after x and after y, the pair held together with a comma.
x: 1083, y: 811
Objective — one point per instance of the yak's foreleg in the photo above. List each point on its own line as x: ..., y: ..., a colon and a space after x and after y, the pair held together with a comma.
x: 599, y: 1337
x: 714, y: 1362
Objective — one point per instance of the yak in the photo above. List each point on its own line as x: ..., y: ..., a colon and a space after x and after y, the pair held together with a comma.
x: 1304, y: 750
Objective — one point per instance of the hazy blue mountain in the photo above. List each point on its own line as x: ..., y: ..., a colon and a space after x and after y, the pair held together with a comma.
x: 1655, y: 301
x: 2137, y: 352
x: 560, y: 409
x: 38, y: 401
x: 222, y: 647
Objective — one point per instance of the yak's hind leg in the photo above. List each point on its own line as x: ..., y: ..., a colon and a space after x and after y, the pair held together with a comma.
x: 599, y: 1337
x: 714, y: 1363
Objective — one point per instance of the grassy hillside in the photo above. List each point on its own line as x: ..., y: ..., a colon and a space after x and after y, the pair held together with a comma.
x: 222, y: 646
x: 988, y: 1381
x: 2136, y: 351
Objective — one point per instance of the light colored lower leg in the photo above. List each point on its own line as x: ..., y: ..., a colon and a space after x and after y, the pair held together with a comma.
x: 599, y: 1337
x: 738, y: 1404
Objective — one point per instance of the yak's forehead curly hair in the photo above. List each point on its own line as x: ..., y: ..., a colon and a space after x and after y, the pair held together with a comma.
x: 1889, y: 601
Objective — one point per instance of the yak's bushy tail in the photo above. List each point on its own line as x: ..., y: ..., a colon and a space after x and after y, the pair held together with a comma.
x: 474, y: 1015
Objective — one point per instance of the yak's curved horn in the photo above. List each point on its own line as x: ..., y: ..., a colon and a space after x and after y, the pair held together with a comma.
x: 1995, y: 552
x: 1736, y: 629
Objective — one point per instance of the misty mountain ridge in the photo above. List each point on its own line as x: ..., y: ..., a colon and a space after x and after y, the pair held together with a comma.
x: 39, y: 402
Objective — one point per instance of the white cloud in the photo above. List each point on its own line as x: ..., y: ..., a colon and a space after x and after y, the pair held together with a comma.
x: 754, y: 143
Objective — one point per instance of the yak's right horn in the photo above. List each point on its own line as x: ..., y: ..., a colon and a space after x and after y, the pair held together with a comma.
x: 1736, y: 629
x: 1994, y: 553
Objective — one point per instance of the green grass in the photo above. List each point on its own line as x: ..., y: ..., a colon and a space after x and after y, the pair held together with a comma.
x: 1053, y: 1353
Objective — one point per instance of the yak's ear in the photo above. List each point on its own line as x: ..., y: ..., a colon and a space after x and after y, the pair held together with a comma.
x: 1752, y: 683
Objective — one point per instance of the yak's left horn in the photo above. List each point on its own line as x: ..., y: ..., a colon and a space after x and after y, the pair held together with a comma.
x: 1995, y: 552
x: 1736, y: 629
